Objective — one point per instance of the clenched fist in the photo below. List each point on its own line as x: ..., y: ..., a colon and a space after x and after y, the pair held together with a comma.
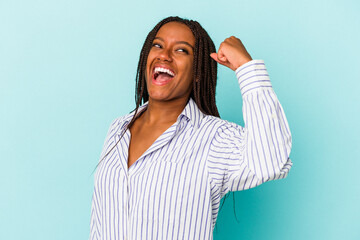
x: 231, y: 53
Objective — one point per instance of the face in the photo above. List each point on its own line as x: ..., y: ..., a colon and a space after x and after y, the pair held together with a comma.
x: 169, y: 67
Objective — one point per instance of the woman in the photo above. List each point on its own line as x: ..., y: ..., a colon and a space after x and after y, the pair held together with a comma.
x: 165, y: 166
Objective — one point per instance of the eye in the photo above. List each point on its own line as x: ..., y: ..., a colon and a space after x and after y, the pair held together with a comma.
x: 183, y: 50
x: 156, y: 45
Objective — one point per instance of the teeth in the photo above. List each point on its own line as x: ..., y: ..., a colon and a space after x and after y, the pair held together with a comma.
x: 163, y: 70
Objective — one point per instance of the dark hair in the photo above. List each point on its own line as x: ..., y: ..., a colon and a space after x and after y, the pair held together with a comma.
x: 204, y: 67
x: 204, y: 70
x: 204, y: 73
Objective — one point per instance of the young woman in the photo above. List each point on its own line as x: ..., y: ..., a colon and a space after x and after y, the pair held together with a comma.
x: 165, y: 166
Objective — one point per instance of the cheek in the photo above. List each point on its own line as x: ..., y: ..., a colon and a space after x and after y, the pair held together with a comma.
x: 190, y: 72
x: 147, y: 69
x: 189, y: 77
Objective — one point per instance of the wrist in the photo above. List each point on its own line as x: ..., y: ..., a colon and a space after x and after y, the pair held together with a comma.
x: 253, y: 76
x: 242, y: 62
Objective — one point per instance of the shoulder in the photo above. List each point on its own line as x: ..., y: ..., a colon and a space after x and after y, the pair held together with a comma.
x: 224, y: 134
x: 223, y: 128
x: 118, y: 123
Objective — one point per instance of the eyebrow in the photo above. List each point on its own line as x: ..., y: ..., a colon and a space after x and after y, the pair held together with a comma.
x: 178, y: 42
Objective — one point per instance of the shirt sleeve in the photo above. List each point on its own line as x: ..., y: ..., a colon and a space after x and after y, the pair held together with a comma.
x: 245, y: 157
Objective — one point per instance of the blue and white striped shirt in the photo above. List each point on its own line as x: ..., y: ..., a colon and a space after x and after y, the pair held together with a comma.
x: 173, y: 190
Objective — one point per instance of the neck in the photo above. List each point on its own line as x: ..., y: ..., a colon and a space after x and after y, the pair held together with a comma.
x: 159, y: 112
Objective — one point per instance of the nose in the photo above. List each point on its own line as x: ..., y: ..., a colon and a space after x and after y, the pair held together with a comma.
x: 165, y: 55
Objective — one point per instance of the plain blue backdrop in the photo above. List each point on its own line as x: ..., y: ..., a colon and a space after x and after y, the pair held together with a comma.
x: 67, y: 69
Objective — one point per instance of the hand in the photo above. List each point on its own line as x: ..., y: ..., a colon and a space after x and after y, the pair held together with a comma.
x: 231, y: 53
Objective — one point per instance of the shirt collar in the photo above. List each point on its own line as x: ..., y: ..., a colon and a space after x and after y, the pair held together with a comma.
x: 191, y: 113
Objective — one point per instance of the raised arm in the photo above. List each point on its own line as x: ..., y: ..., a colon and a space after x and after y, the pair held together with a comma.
x: 244, y: 157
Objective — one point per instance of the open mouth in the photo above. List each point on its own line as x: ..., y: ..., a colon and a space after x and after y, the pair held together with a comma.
x: 162, y: 75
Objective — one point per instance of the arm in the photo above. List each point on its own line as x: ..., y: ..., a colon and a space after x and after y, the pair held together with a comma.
x: 244, y: 157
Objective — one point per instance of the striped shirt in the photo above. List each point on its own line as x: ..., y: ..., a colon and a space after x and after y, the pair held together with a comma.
x: 173, y: 190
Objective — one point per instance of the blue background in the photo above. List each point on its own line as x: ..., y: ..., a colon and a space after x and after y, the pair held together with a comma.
x: 67, y: 69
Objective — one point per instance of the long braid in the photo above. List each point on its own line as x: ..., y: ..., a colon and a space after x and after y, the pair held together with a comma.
x: 204, y: 72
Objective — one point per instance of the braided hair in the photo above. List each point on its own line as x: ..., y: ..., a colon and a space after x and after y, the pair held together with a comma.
x: 205, y: 68
x: 204, y: 74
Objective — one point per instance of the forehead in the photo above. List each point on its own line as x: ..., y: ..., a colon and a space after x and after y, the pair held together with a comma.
x: 177, y: 32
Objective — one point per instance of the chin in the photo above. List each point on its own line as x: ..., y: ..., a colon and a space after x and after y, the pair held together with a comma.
x: 158, y: 96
